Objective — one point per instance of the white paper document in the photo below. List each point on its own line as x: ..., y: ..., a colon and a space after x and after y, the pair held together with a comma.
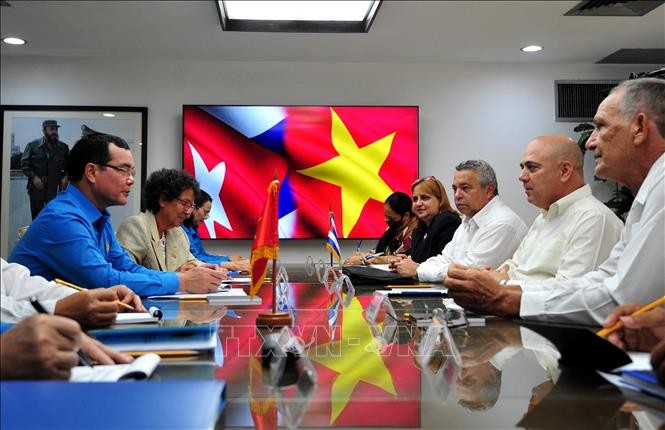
x: 134, y: 318
x: 141, y: 368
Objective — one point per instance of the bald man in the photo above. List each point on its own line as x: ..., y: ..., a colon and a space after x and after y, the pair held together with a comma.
x: 574, y: 232
x: 628, y: 142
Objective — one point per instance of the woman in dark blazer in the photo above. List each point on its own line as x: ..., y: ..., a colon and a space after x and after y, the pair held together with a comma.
x: 437, y: 220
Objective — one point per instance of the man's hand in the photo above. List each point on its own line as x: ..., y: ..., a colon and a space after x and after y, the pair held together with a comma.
x: 477, y: 290
x: 101, y: 353
x: 37, y: 182
x: 129, y: 297
x: 200, y: 280
x: 639, y: 332
x: 500, y: 274
x: 406, y: 267
x: 40, y: 347
x: 91, y: 308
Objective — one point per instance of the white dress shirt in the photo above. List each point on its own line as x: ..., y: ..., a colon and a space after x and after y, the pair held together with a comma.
x: 568, y: 240
x: 18, y: 286
x: 634, y: 272
x: 487, y: 239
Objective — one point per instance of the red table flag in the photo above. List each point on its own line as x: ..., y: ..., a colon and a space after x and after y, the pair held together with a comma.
x: 266, y: 239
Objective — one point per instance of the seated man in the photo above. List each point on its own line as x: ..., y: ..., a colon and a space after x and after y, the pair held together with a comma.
x: 190, y: 227
x: 575, y: 232
x: 629, y: 143
x: 44, y: 347
x: 73, y: 237
x: 91, y: 309
x: 490, y: 231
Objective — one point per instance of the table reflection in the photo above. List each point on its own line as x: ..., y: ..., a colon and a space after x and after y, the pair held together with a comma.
x: 508, y: 374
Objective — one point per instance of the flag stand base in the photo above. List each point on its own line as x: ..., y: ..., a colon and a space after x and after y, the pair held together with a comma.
x: 271, y: 320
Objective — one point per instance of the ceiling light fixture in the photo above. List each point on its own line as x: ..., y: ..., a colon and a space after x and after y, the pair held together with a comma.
x: 532, y: 48
x: 109, y: 115
x: 13, y: 41
x: 298, y: 16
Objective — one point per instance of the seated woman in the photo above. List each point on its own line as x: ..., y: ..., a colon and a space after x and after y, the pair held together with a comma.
x: 397, y: 237
x: 154, y: 238
x: 437, y: 221
x: 190, y: 226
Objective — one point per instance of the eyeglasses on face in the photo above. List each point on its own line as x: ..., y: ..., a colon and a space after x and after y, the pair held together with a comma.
x: 126, y: 171
x: 187, y: 205
x: 206, y: 214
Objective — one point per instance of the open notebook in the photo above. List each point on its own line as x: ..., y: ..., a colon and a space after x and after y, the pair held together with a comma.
x: 141, y: 368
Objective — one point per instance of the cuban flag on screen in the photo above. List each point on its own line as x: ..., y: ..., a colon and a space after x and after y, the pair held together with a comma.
x: 333, y: 244
x: 264, y: 125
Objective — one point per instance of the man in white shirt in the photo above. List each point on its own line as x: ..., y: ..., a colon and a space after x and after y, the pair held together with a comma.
x: 575, y: 232
x: 629, y: 147
x: 92, y: 308
x: 490, y: 231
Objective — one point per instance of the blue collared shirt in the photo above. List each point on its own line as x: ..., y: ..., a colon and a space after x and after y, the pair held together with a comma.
x: 197, y: 250
x: 71, y: 239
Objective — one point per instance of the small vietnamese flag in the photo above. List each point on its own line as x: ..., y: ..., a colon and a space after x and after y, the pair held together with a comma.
x: 266, y: 239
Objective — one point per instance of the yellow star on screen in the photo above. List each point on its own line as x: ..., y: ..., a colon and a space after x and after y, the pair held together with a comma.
x: 354, y: 358
x: 355, y: 170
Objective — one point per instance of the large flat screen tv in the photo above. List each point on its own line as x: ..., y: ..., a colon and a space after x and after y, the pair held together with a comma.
x: 344, y: 159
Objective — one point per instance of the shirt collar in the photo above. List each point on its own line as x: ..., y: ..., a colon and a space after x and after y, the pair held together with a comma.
x: 656, y: 173
x: 482, y: 217
x: 88, y: 210
x: 560, y: 206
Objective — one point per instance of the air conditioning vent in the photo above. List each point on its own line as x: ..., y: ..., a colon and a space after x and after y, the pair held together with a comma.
x: 577, y: 101
x: 614, y: 8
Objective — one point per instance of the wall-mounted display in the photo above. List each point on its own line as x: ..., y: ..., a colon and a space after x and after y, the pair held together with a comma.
x: 345, y: 159
x: 35, y: 145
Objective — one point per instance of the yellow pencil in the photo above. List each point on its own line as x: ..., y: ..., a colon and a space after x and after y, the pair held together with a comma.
x: 604, y: 332
x: 77, y: 288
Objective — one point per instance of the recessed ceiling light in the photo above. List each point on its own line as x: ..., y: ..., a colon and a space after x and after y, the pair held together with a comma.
x: 109, y: 115
x: 532, y: 48
x: 13, y: 41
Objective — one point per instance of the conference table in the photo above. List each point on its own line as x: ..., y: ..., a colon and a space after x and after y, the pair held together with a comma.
x: 508, y: 377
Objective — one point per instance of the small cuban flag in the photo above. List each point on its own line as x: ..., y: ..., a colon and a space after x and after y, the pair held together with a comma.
x: 332, y: 244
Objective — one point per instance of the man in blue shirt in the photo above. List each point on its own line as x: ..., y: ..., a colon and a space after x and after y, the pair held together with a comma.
x: 72, y: 238
x: 190, y: 226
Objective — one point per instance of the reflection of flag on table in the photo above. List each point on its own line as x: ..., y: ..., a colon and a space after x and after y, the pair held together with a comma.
x: 348, y: 158
x: 266, y: 240
x: 332, y: 244
x: 355, y: 378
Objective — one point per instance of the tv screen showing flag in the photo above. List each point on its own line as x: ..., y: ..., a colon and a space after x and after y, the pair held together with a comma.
x: 341, y: 159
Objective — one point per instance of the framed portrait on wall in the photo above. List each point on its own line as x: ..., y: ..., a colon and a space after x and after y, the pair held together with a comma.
x: 25, y: 131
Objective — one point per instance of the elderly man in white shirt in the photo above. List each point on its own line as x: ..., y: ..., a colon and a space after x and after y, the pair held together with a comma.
x: 629, y: 147
x: 490, y: 231
x: 92, y: 308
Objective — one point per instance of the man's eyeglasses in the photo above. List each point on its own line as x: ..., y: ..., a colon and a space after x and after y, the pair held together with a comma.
x: 186, y: 204
x: 124, y: 170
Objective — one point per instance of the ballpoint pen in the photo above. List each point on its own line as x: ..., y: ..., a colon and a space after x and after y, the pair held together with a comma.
x: 40, y: 309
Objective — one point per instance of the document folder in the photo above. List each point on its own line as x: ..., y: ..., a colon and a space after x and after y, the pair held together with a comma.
x: 123, y: 405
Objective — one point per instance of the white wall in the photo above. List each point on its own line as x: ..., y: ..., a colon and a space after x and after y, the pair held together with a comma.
x: 470, y: 110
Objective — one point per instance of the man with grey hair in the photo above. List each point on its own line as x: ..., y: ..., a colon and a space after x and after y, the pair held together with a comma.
x: 629, y: 146
x: 490, y: 231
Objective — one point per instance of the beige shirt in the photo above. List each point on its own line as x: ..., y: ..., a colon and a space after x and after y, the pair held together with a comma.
x: 138, y: 236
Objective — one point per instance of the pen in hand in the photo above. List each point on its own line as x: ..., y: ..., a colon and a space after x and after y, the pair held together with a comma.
x: 40, y: 309
x: 619, y: 324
